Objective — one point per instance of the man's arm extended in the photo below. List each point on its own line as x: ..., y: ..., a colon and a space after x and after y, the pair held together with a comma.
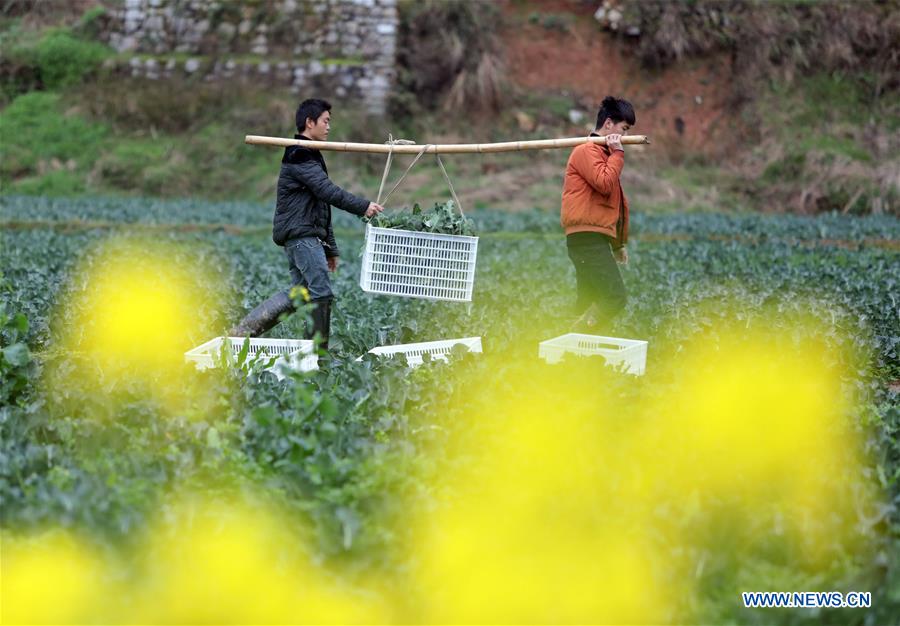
x: 314, y: 177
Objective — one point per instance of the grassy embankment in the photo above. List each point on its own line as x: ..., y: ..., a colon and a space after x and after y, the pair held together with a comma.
x: 72, y: 125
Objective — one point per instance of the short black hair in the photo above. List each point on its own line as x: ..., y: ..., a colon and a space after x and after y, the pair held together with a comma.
x: 311, y: 109
x: 617, y: 110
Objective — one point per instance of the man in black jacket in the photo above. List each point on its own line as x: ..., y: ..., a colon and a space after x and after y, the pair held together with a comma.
x: 302, y: 225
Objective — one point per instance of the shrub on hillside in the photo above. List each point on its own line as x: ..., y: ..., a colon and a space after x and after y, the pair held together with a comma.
x: 55, y: 60
x: 766, y: 39
x: 64, y: 60
x: 448, y: 55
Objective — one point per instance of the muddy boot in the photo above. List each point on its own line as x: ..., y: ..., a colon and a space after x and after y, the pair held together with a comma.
x: 264, y: 316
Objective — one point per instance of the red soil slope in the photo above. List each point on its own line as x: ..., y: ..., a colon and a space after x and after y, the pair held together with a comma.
x: 683, y: 108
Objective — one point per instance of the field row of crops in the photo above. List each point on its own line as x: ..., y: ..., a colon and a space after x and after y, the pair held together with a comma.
x: 151, y: 211
x: 525, y: 470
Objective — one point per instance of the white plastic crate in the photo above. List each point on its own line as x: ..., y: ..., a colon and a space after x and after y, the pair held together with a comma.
x: 438, y: 350
x: 630, y: 352
x: 292, y: 354
x: 418, y: 265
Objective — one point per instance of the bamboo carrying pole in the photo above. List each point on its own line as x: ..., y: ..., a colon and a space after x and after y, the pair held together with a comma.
x: 449, y: 148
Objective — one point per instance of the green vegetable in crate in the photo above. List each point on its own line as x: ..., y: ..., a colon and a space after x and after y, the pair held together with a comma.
x: 443, y: 219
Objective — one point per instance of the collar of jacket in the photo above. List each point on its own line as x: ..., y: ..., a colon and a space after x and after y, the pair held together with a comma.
x: 299, y: 154
x: 304, y: 138
x: 604, y: 148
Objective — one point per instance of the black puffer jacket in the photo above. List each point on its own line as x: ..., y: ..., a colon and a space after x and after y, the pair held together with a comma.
x: 305, y: 197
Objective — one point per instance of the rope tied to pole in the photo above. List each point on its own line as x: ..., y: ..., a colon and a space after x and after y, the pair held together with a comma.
x: 449, y: 184
x: 391, y: 142
x: 387, y: 166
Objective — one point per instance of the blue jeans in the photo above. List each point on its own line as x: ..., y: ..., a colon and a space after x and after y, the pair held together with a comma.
x: 306, y: 259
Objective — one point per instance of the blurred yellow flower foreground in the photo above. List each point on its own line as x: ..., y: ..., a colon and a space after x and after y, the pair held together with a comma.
x: 550, y: 512
x: 133, y: 311
x: 212, y: 562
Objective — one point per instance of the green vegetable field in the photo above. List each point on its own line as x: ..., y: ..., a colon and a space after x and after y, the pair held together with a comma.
x: 758, y: 452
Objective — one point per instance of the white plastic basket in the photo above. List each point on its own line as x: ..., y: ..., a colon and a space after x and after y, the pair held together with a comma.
x: 418, y: 265
x: 438, y: 350
x: 630, y: 352
x: 292, y: 354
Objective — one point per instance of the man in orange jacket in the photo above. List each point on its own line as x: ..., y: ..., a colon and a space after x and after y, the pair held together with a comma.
x: 594, y: 216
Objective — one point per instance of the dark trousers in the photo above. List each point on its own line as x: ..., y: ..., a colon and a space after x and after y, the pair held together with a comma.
x: 597, y: 275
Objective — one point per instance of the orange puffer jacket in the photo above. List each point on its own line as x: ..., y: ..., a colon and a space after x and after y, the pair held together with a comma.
x: 592, y: 199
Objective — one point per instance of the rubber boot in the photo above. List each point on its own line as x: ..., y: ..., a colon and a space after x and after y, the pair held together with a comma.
x: 264, y: 316
x: 321, y: 323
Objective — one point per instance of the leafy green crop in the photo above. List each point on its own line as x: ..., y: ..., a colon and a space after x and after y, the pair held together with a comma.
x: 441, y: 219
x: 15, y: 358
x: 354, y: 448
x: 824, y: 228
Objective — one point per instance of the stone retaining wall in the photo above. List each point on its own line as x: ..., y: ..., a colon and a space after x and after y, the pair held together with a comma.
x: 340, y: 48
